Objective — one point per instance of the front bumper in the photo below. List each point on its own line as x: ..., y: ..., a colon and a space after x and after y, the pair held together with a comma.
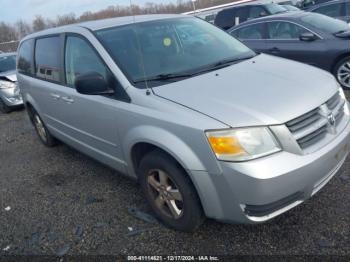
x: 11, y: 97
x: 258, y: 190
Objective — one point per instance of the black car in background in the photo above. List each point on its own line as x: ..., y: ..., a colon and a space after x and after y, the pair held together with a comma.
x: 232, y: 16
x: 339, y: 9
x: 304, y: 4
x: 310, y: 38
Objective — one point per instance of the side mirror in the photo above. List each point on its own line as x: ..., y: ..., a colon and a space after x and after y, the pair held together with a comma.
x: 92, y: 84
x: 308, y: 37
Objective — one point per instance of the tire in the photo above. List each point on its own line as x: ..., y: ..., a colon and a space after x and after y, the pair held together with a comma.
x: 43, y: 133
x: 4, y: 108
x: 342, y: 72
x: 159, y: 170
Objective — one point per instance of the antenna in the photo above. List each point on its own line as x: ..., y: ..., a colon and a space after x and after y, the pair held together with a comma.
x: 148, y: 90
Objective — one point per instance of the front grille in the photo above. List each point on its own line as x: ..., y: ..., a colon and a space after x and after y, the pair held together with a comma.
x: 312, y: 127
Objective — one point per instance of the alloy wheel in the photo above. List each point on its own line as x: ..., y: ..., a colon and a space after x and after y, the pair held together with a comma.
x: 343, y: 74
x: 40, y: 128
x: 166, y: 195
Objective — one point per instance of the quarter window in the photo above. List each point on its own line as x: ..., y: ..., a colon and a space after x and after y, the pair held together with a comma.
x: 250, y: 32
x: 80, y: 59
x: 333, y: 10
x: 25, y: 58
x: 47, y: 59
x: 284, y: 30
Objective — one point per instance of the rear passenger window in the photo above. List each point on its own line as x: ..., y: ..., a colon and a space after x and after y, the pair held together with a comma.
x: 80, y: 58
x: 333, y: 10
x: 250, y: 32
x: 47, y: 59
x: 284, y: 30
x: 25, y: 58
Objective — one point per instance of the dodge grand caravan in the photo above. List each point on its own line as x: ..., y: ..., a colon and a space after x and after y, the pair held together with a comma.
x: 208, y: 127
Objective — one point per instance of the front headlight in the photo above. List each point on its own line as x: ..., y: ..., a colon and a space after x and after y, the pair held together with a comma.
x: 6, y: 84
x: 242, y: 143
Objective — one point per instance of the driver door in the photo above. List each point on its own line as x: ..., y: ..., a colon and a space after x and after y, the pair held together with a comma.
x: 283, y: 40
x: 89, y: 122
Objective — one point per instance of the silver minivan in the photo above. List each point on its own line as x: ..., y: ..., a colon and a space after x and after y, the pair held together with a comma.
x: 208, y: 127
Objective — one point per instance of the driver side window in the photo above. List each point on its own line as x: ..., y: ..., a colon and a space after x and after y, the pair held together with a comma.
x: 80, y: 58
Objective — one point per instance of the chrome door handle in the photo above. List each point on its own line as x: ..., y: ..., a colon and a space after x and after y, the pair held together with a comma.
x: 67, y: 99
x: 55, y: 96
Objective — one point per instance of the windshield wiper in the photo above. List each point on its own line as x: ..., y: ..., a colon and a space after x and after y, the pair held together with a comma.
x: 223, y: 63
x: 212, y: 67
x: 162, y: 77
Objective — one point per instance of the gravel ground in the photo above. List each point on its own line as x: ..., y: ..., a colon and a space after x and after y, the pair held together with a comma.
x: 58, y: 201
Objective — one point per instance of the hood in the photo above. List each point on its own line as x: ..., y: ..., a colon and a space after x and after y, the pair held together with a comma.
x: 265, y: 90
x: 9, y: 75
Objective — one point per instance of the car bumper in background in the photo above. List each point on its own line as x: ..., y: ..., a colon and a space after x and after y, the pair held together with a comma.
x: 11, y: 97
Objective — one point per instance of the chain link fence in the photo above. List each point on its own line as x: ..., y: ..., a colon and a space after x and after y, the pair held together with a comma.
x: 9, y: 46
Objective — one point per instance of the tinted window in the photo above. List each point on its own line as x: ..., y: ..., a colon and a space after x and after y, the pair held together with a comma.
x: 240, y: 16
x: 172, y: 46
x: 325, y: 23
x: 47, y: 59
x: 284, y: 30
x: 80, y: 58
x: 250, y: 32
x: 25, y: 58
x: 347, y: 6
x: 256, y: 11
x: 7, y: 63
x: 333, y: 10
x: 224, y: 19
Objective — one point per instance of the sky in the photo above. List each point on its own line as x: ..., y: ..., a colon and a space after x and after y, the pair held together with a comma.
x: 13, y: 10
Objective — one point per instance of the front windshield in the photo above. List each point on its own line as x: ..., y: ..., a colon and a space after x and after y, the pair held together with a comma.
x: 7, y: 63
x: 275, y: 9
x: 325, y: 23
x: 167, y: 47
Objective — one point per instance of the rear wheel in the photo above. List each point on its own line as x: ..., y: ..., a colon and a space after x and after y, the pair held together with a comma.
x: 342, y: 72
x: 170, y: 192
x: 44, y: 134
x: 4, y: 108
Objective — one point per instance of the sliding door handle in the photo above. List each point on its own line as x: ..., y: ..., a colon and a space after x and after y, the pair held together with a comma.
x: 55, y: 96
x: 67, y: 99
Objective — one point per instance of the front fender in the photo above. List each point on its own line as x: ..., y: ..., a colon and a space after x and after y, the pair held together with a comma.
x: 165, y: 140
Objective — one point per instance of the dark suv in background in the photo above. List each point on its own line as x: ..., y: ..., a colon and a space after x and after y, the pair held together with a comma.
x: 230, y: 17
x: 339, y: 9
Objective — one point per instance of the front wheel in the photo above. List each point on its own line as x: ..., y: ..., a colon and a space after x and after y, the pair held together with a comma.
x: 342, y: 72
x: 170, y: 192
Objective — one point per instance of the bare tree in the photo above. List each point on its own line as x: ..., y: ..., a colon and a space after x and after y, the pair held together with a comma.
x: 39, y: 23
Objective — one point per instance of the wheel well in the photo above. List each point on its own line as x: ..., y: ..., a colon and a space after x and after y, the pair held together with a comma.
x: 30, y: 110
x: 340, y: 57
x: 139, y: 150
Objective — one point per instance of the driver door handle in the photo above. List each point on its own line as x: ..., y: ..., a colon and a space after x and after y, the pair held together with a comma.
x: 274, y: 50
